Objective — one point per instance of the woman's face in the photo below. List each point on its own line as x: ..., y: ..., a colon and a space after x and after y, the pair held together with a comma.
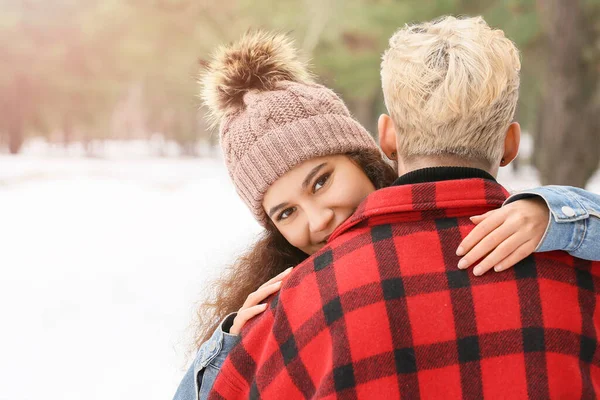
x: 311, y: 200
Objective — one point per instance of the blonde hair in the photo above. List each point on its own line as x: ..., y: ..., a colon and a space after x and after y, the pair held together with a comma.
x: 451, y: 87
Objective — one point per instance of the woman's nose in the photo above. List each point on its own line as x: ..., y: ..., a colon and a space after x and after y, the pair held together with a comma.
x: 319, y: 220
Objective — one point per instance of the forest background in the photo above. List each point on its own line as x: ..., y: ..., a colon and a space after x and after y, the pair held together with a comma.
x: 93, y: 71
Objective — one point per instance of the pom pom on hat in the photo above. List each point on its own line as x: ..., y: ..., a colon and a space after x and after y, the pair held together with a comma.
x: 258, y: 61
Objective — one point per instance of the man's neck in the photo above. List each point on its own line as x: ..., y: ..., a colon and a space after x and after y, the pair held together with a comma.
x: 416, y: 163
x: 438, y: 174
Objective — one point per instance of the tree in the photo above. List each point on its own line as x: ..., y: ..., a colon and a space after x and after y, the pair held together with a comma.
x: 567, y: 136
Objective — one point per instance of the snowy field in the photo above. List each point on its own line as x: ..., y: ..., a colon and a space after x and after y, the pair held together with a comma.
x: 101, y: 265
x: 102, y: 261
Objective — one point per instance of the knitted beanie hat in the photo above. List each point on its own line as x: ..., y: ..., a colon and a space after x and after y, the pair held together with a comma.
x: 272, y: 115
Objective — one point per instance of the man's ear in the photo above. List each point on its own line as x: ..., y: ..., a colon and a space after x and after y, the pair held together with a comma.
x: 511, y: 144
x: 387, y: 136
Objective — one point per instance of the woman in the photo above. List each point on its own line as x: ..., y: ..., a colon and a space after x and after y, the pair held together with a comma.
x: 274, y: 122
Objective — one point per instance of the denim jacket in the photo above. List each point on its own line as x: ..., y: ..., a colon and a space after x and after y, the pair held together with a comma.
x: 574, y: 226
x: 201, y: 375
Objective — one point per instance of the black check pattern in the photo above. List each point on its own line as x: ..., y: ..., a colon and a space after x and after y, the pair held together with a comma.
x: 383, y: 312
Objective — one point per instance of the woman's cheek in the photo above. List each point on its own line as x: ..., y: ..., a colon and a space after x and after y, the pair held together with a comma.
x: 294, y: 236
x: 351, y: 196
x: 362, y: 189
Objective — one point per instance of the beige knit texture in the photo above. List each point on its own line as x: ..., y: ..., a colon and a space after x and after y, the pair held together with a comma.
x: 281, y: 128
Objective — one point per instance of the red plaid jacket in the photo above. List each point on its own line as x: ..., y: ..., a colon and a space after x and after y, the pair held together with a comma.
x: 383, y: 312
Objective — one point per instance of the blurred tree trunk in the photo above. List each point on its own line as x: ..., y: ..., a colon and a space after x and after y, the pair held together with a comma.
x: 364, y: 109
x: 67, y: 129
x: 17, y: 103
x: 567, y: 143
x: 15, y: 137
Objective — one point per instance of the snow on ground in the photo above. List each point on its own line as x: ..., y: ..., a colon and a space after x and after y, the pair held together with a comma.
x: 101, y: 264
x: 102, y: 261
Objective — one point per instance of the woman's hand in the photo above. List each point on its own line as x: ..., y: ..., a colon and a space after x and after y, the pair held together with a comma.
x: 505, y: 236
x: 251, y: 307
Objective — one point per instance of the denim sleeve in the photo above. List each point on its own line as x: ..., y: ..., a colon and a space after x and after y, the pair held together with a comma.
x: 212, y: 355
x: 186, y: 389
x: 574, y: 224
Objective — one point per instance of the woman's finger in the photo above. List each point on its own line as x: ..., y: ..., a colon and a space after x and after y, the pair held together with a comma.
x: 519, y: 254
x: 487, y: 244
x: 277, y: 278
x: 262, y: 293
x: 500, y: 253
x: 244, y: 316
x: 478, y: 218
x: 478, y: 233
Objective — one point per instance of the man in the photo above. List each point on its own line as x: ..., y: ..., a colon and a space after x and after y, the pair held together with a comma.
x: 383, y: 311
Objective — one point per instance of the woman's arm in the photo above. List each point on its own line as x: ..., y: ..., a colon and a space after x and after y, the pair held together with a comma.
x: 541, y: 219
x: 186, y: 388
x: 213, y: 353
x: 210, y: 356
x: 574, y: 225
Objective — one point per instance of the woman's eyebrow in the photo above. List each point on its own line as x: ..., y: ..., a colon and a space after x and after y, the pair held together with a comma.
x: 305, y: 184
x: 278, y: 207
x: 312, y: 174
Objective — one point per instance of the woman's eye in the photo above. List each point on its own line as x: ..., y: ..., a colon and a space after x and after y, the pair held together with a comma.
x: 320, y: 182
x: 285, y: 213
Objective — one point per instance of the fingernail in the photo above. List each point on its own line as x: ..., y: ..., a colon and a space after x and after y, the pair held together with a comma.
x: 463, y: 263
x: 498, y: 268
x: 460, y: 251
x: 287, y: 271
x: 477, y: 271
